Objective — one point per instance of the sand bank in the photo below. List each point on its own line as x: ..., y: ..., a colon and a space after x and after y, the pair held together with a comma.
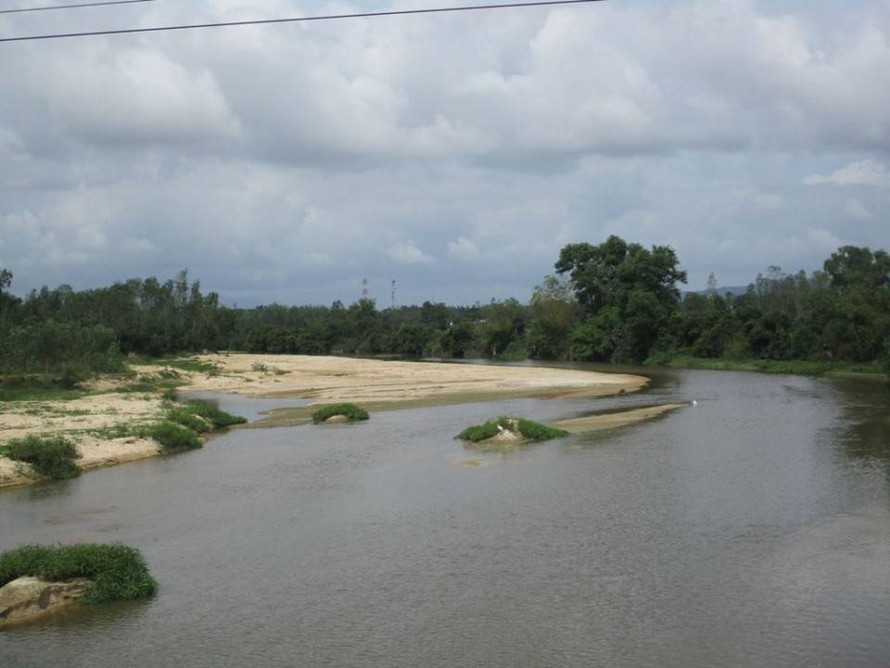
x: 90, y: 421
x: 335, y: 379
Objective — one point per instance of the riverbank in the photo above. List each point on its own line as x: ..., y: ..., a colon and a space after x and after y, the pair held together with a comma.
x: 95, y: 422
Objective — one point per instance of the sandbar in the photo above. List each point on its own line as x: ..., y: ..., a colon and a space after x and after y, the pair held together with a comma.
x: 369, y: 382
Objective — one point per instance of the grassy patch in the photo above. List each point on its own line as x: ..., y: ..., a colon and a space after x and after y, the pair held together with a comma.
x: 172, y: 437
x: 50, y: 457
x: 528, y: 429
x: 219, y: 419
x: 36, y: 388
x: 117, y: 572
x: 796, y: 367
x: 184, y: 422
x: 160, y: 382
x: 350, y: 411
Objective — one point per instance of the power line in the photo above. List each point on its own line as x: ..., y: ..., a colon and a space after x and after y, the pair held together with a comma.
x: 295, y: 19
x: 49, y: 8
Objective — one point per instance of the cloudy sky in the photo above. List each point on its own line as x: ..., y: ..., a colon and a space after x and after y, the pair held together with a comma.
x: 453, y: 153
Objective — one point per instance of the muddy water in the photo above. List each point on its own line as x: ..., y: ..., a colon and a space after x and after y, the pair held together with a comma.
x: 752, y: 529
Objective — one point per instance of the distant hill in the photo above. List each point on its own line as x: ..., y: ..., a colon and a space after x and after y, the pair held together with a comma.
x: 723, y: 291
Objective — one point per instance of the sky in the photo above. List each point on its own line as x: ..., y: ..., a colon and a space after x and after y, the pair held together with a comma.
x: 454, y: 154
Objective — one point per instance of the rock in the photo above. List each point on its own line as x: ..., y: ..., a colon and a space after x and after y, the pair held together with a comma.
x: 337, y: 419
x: 27, y: 599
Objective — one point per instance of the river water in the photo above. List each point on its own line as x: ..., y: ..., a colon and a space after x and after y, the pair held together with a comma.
x: 752, y: 529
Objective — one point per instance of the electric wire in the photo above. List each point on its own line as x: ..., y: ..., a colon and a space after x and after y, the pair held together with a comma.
x: 295, y: 19
x: 49, y: 8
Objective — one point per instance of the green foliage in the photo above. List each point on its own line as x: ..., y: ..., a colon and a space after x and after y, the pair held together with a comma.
x: 615, y: 301
x: 50, y: 457
x: 350, y: 411
x: 34, y: 388
x: 528, y: 429
x: 117, y: 572
x: 172, y: 437
x: 186, y: 418
x: 212, y: 414
x: 628, y: 294
x: 480, y: 432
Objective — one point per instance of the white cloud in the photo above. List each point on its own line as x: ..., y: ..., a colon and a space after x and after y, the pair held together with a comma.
x: 405, y: 252
x: 463, y: 250
x: 861, y: 173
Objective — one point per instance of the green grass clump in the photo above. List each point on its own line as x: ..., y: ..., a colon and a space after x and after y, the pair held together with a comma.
x: 188, y: 419
x: 535, y: 431
x: 116, y: 572
x: 479, y: 432
x: 172, y: 437
x: 350, y: 411
x: 212, y: 414
x: 50, y: 457
x: 36, y: 388
x: 528, y: 429
x: 184, y: 422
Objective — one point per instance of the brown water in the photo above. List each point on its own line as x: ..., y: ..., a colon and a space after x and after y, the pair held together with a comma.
x: 752, y: 529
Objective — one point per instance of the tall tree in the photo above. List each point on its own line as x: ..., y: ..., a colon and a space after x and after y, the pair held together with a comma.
x: 627, y: 292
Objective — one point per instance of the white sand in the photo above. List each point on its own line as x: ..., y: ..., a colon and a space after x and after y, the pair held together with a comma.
x: 322, y: 379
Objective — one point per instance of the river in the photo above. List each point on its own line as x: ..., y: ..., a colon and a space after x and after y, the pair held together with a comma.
x: 751, y: 529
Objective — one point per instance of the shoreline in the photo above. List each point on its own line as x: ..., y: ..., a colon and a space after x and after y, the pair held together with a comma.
x: 382, y: 384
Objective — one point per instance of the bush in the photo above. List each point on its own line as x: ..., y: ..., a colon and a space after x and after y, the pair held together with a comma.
x: 528, y: 429
x: 188, y: 419
x: 212, y: 414
x: 117, y: 572
x: 172, y: 437
x: 350, y: 411
x: 50, y: 457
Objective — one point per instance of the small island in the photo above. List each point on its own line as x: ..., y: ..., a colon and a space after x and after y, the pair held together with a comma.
x: 509, y: 430
x: 339, y: 413
x: 37, y: 581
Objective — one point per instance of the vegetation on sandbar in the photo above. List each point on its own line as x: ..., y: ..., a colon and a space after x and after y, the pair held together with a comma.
x: 116, y: 572
x: 526, y: 429
x: 51, y: 458
x: 350, y: 411
x: 185, y: 422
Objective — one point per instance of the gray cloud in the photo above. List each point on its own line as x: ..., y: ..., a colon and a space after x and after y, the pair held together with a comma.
x: 454, y: 154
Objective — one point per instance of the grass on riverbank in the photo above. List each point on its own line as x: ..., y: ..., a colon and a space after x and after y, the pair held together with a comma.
x: 185, y: 422
x: 51, y: 458
x: 527, y: 429
x: 117, y: 572
x: 350, y: 411
x: 796, y: 367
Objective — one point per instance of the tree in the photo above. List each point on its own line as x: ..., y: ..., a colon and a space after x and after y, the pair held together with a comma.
x: 627, y: 292
x: 555, y: 313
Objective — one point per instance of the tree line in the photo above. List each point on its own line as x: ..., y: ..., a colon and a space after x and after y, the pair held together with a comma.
x: 612, y: 302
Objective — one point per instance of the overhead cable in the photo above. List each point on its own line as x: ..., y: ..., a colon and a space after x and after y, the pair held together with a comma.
x: 295, y: 19
x: 49, y: 8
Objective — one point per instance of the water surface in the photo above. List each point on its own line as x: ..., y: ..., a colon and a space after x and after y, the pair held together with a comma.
x: 749, y: 530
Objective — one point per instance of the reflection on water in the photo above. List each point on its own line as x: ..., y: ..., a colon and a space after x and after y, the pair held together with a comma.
x: 749, y: 530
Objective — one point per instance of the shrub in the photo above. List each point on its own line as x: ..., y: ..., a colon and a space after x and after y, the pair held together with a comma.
x: 188, y: 419
x: 479, y: 432
x: 50, y: 457
x: 117, y: 572
x: 172, y: 437
x: 212, y: 414
x: 533, y: 431
x: 350, y: 411
x: 536, y: 431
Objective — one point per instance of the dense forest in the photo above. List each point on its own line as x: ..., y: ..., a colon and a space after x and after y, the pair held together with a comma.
x: 612, y: 302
